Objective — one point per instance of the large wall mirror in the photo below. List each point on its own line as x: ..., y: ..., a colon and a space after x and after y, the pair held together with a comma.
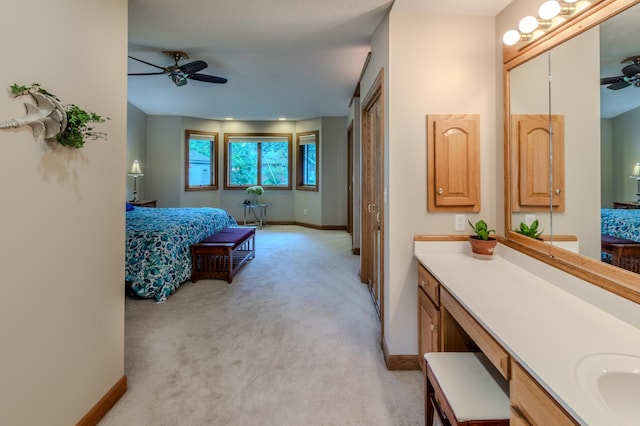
x: 592, y: 140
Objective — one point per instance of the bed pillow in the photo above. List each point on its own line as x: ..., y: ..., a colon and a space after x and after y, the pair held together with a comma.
x: 129, y: 207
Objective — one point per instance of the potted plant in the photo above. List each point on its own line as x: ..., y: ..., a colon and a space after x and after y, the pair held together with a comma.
x: 482, y: 243
x: 529, y: 230
x: 255, y: 192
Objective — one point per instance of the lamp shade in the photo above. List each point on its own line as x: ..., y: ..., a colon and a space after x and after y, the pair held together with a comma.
x: 635, y: 173
x: 135, y: 169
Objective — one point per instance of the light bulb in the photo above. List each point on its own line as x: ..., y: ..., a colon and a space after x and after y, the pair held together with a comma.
x: 528, y: 24
x: 549, y: 9
x: 570, y: 1
x: 511, y: 37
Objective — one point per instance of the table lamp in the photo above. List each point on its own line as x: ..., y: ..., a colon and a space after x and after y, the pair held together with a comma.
x: 136, y: 172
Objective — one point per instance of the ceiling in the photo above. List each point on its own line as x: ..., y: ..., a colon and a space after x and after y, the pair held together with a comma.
x: 283, y: 58
x: 619, y: 39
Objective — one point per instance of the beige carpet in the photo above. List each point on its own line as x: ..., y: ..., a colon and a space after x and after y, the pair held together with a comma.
x: 294, y: 340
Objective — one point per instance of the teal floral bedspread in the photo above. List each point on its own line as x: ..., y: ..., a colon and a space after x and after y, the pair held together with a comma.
x: 622, y: 223
x: 157, y: 255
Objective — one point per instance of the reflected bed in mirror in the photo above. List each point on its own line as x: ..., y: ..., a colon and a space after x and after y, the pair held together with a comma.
x: 560, y: 77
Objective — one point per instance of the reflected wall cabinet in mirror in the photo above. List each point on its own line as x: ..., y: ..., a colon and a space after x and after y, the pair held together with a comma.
x: 571, y: 120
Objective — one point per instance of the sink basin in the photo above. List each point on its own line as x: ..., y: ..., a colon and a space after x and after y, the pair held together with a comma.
x: 612, y: 382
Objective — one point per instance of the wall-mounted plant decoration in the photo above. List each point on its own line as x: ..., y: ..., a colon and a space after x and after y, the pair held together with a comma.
x: 68, y: 125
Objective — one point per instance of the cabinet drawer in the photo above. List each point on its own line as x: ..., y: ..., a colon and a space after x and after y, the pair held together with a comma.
x: 531, y: 405
x: 496, y: 353
x: 429, y: 284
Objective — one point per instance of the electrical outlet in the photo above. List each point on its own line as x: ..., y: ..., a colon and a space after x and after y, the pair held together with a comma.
x: 461, y: 222
x: 528, y: 219
x: 304, y: 212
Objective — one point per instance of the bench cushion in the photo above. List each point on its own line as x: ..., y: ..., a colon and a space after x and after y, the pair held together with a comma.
x: 230, y: 235
x: 608, y: 240
x: 471, y: 384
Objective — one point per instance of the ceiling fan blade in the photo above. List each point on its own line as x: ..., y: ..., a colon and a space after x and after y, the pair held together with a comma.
x: 611, y: 80
x: 620, y: 85
x: 193, y: 67
x: 148, y: 63
x: 207, y: 78
x: 147, y: 73
x: 631, y: 70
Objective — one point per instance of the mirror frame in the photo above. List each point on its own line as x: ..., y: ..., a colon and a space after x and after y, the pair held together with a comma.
x: 616, y: 280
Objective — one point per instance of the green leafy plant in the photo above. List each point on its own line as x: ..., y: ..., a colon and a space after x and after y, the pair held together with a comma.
x: 529, y: 230
x: 481, y: 229
x: 77, y: 129
x: 255, y: 190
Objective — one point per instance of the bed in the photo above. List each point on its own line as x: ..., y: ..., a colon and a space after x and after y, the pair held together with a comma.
x: 157, y: 246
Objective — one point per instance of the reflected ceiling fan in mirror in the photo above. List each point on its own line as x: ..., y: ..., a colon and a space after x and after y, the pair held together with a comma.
x: 631, y: 75
x: 180, y: 73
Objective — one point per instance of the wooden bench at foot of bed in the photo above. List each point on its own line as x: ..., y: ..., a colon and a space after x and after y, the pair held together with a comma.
x: 624, y: 253
x: 221, y: 255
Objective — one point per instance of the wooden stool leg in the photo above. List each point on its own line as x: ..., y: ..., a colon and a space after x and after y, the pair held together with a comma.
x: 428, y: 402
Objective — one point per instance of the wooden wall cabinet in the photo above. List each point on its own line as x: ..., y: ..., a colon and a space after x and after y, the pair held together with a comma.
x: 532, y: 144
x: 453, y: 162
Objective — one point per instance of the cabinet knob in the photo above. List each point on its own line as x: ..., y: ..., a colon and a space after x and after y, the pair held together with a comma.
x: 433, y: 327
x: 558, y: 191
x: 423, y: 283
x: 440, y: 191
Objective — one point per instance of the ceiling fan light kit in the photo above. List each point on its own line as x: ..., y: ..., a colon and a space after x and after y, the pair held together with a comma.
x: 179, y: 74
x: 630, y: 77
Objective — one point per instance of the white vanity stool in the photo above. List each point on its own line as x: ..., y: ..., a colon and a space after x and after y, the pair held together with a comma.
x: 464, y: 388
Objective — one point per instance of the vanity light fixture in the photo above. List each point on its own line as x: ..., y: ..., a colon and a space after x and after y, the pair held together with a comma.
x: 550, y: 13
x: 635, y: 174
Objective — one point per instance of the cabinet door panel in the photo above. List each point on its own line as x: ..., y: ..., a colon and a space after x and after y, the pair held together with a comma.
x: 428, y: 327
x: 536, y: 136
x: 453, y: 158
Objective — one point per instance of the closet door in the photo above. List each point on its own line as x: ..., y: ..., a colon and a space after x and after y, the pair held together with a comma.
x: 372, y: 250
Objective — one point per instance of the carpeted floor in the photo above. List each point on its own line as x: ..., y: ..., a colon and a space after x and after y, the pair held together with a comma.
x: 294, y: 340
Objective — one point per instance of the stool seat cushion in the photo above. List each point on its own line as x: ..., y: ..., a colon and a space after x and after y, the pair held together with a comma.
x: 472, y: 385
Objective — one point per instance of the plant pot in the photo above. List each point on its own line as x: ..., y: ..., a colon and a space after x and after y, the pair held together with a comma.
x: 482, y: 249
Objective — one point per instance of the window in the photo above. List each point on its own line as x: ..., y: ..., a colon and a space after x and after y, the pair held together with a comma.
x: 257, y: 159
x: 307, y: 165
x: 200, y: 161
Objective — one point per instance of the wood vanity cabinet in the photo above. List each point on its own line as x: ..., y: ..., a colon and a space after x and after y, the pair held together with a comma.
x: 530, y: 404
x: 428, y: 314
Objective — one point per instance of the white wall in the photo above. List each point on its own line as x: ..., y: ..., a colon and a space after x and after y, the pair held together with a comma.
x: 424, y: 75
x: 626, y: 152
x: 136, y: 147
x: 62, y: 263
x: 164, y: 172
x: 333, y: 175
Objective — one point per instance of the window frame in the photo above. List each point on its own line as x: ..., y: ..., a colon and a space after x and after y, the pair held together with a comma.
x: 213, y: 138
x: 228, y: 139
x: 300, y: 160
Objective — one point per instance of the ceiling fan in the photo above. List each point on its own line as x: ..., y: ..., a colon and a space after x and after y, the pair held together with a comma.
x: 631, y: 75
x: 180, y: 73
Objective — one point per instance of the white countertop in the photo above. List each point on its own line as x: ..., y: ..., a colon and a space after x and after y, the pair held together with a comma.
x: 541, y: 324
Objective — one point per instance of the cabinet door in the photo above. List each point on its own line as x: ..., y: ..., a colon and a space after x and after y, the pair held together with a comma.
x: 428, y: 327
x: 453, y: 162
x: 535, y: 137
x: 531, y: 405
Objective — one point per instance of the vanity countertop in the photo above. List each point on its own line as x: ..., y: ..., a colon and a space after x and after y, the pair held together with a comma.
x: 546, y: 328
